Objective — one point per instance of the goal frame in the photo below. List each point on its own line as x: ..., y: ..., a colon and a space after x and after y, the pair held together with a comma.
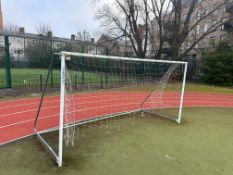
x: 67, y: 56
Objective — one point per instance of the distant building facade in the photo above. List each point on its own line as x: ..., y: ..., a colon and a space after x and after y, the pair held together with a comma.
x: 20, y: 41
x: 209, y: 42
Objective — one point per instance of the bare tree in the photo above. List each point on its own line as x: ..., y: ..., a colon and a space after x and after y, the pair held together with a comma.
x: 178, y: 21
x: 11, y: 28
x: 43, y: 28
x: 39, y: 53
x: 159, y: 12
x: 83, y: 35
x: 127, y: 18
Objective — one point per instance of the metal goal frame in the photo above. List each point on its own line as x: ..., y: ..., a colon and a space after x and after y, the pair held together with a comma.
x: 67, y: 56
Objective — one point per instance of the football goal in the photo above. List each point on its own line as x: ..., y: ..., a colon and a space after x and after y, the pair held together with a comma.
x: 99, y: 87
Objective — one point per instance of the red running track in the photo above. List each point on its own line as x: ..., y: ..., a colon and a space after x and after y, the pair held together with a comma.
x: 17, y: 116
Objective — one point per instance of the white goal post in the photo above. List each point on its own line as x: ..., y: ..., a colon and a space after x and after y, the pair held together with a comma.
x: 141, y: 75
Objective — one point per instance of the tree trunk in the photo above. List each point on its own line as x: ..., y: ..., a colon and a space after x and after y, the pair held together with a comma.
x: 160, y: 51
x: 175, y: 52
x: 140, y: 53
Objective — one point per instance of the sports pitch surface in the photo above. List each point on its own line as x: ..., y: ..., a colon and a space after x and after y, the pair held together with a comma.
x: 201, y: 145
x: 17, y: 116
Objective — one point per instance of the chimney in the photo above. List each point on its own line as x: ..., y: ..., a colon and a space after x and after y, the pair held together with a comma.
x: 50, y: 34
x: 21, y: 30
x: 92, y: 40
x: 72, y: 37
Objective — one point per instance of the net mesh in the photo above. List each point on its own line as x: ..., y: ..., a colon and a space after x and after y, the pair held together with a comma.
x: 108, y: 86
x: 69, y: 113
x: 104, y: 88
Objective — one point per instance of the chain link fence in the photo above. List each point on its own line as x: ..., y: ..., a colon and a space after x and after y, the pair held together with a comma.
x: 24, y: 62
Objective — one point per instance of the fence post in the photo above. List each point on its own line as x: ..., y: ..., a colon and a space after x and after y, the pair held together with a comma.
x: 75, y: 82
x: 7, y: 62
x: 41, y: 82
x: 101, y: 81
x: 51, y: 74
x: 83, y: 76
x: 25, y: 85
x: 106, y: 67
x: 125, y: 67
x: 51, y: 57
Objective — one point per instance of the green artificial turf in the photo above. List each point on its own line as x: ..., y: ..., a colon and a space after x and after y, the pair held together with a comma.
x: 135, y: 145
x: 31, y: 78
x: 204, y: 88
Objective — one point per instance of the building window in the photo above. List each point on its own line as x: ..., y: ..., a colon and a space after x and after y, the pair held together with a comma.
x: 198, y: 15
x: 190, y: 33
x: 33, y: 41
x: 19, y: 40
x: 222, y: 38
x: 18, y: 51
x: 215, y: 8
x: 205, y: 27
x: 214, y: 23
x: 183, y: 46
x: 212, y: 41
x: 223, y: 23
x: 198, y: 29
x: 204, y: 43
x: 184, y: 17
x: 207, y: 11
x: 188, y: 45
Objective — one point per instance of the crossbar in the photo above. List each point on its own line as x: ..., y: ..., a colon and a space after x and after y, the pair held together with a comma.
x: 84, y: 55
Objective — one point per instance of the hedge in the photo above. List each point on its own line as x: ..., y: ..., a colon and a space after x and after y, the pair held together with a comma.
x: 218, y: 67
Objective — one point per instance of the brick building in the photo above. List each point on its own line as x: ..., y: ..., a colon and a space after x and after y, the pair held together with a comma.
x: 222, y: 16
x: 211, y: 41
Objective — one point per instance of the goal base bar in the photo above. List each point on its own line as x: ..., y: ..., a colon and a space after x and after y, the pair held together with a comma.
x: 47, y: 147
x: 161, y: 116
x: 105, y: 117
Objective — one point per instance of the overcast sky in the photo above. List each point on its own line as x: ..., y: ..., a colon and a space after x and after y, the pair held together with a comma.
x: 64, y: 16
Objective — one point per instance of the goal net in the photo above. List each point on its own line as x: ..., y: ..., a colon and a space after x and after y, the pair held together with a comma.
x: 97, y: 87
